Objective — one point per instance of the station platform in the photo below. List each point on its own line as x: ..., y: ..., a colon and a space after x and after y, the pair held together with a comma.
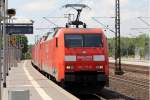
x: 25, y: 77
x: 132, y: 61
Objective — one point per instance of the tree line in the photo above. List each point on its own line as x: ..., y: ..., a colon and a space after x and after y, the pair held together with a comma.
x: 129, y: 45
x: 19, y: 42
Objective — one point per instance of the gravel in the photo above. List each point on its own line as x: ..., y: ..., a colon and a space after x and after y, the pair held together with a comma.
x: 130, y: 89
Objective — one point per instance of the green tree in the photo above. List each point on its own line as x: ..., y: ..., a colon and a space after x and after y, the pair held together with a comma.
x: 141, y: 41
x: 128, y: 45
x: 22, y: 39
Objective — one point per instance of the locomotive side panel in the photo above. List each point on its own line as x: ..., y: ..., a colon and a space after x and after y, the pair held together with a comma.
x: 47, y: 56
x: 106, y: 55
x: 59, y: 55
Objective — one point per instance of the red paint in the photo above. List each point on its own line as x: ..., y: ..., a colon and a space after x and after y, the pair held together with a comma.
x: 53, y: 57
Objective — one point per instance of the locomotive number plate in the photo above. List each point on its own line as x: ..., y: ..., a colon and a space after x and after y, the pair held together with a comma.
x: 84, y: 58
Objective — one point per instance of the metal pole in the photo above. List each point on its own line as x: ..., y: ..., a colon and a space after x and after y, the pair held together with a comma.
x: 116, y: 50
x: 1, y: 11
x: 15, y: 53
x: 21, y: 48
x: 9, y: 52
x: 7, y: 46
x: 118, y: 70
x: 119, y: 48
x: 4, y: 45
x: 116, y: 34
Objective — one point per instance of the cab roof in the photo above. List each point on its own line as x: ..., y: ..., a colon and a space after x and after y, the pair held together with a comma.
x: 78, y: 31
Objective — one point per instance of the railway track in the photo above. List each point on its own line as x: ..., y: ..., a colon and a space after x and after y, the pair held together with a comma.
x: 105, y: 94
x: 112, y: 94
x: 133, y: 68
x: 130, y: 87
x: 100, y: 97
x: 141, y: 85
x: 109, y: 94
x: 132, y: 78
x: 89, y: 97
x: 134, y: 83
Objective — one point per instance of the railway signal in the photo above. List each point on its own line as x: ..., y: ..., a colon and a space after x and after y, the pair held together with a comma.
x: 13, y: 40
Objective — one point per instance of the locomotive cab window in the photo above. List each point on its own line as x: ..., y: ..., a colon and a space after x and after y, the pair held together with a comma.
x: 91, y: 40
x: 83, y: 40
x: 56, y: 42
x: 73, y: 41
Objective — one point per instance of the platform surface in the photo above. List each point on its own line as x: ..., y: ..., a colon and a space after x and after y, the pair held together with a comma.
x: 25, y: 77
x: 132, y: 61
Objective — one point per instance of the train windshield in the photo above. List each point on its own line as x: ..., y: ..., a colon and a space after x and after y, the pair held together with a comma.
x: 83, y: 40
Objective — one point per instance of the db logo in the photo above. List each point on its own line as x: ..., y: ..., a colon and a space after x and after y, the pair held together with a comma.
x: 84, y: 52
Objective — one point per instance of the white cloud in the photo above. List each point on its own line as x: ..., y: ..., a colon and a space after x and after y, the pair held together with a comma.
x: 38, y: 6
x: 124, y: 2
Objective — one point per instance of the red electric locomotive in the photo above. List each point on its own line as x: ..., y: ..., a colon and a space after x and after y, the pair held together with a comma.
x: 74, y: 57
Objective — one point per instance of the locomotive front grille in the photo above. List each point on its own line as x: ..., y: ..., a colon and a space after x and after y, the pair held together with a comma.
x: 84, y: 76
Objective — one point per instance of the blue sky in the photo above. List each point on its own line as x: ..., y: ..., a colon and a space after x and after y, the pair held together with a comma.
x: 130, y: 10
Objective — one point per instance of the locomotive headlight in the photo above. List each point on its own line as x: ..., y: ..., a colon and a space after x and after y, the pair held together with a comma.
x: 70, y: 58
x: 69, y: 67
x: 98, y: 58
x: 99, y: 67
